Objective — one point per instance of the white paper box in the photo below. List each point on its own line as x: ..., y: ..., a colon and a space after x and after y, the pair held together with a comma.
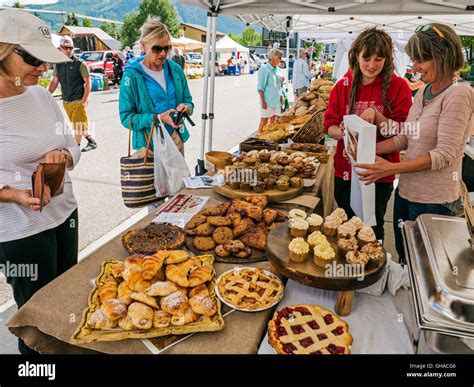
x: 359, y: 141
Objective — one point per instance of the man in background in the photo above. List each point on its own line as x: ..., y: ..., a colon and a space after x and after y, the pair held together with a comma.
x: 178, y: 58
x: 301, y: 74
x: 75, y: 83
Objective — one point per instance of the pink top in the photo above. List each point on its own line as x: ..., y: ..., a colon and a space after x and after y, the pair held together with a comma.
x: 439, y: 129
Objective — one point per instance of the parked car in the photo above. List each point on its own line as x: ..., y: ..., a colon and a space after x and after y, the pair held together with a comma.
x: 263, y: 58
x: 101, y: 61
x: 194, y: 58
x: 256, y: 60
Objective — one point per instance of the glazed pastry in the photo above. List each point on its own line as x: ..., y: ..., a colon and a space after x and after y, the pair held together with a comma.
x: 298, y: 227
x: 178, y: 273
x: 151, y: 265
x: 188, y: 316
x: 290, y: 171
x: 201, y: 289
x: 113, y: 309
x: 175, y: 256
x: 256, y: 237
x: 296, y: 182
x: 345, y: 245
x: 323, y: 254
x: 137, y: 283
x: 200, y: 275
x: 366, y: 235
x: 316, y: 238
x: 203, y: 304
x: 341, y: 214
x: 161, y: 319
x: 357, y: 258
x: 176, y: 303
x: 297, y: 213
x: 98, y: 320
x: 346, y: 230
x: 299, y: 250
x: 141, y: 315
x: 124, y: 292
x: 259, y: 187
x: 357, y: 222
x: 144, y: 299
x: 162, y: 289
x: 330, y: 225
x: 108, y: 290
x: 315, y: 221
x: 269, y: 215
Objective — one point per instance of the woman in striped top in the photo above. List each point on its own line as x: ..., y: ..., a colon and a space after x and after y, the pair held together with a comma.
x: 434, y: 134
x: 35, y: 246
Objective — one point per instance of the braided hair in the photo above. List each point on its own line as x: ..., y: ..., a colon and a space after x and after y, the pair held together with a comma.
x: 371, y: 41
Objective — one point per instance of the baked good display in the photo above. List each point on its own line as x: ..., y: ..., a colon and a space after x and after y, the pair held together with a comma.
x: 323, y: 254
x: 366, y: 235
x: 315, y: 222
x: 347, y: 244
x: 283, y: 183
x: 357, y: 222
x: 316, y: 238
x: 346, y: 230
x: 374, y: 251
x: 153, y: 238
x: 298, y: 227
x: 299, y: 250
x: 341, y: 214
x: 356, y: 257
x: 180, y: 301
x: 238, y: 230
x: 308, y: 329
x: 249, y: 288
x: 330, y: 225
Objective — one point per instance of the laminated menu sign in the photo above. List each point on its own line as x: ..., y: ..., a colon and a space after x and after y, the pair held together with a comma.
x: 180, y: 209
x: 359, y: 141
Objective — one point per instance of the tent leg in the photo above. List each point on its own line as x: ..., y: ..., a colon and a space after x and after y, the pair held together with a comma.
x: 213, y: 78
x: 287, y: 60
x: 200, y: 170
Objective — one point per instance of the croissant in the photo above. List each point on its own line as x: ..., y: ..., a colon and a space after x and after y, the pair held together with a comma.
x: 118, y: 269
x: 141, y: 315
x: 201, y: 289
x: 177, y: 256
x: 98, y: 320
x: 176, y: 303
x: 199, y: 276
x: 160, y: 276
x: 188, y: 316
x: 161, y: 319
x: 113, y: 309
x: 123, y: 293
x: 202, y: 304
x: 151, y: 265
x: 161, y: 289
x: 137, y: 283
x: 125, y: 323
x: 144, y: 299
x: 134, y: 261
x: 108, y: 290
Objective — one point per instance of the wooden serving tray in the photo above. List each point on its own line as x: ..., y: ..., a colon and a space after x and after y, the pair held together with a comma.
x: 274, y: 195
x: 256, y: 256
x: 308, y: 273
x: 83, y: 334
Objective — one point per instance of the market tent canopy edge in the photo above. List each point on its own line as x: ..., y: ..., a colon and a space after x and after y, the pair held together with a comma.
x: 227, y: 44
x: 187, y: 43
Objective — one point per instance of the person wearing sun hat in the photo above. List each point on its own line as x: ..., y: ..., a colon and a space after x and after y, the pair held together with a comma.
x: 32, y: 130
x: 75, y: 83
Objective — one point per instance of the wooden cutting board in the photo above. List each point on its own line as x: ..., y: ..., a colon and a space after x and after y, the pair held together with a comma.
x: 274, y: 195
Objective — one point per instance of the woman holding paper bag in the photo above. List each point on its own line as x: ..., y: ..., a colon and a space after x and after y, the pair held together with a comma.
x: 37, y: 246
x: 371, y: 90
x: 434, y: 135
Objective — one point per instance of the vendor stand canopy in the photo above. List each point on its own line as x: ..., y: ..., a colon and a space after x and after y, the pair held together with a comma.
x: 229, y: 45
x: 333, y: 17
x: 187, y: 44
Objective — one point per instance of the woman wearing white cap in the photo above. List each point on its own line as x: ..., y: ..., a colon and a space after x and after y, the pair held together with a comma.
x: 32, y: 130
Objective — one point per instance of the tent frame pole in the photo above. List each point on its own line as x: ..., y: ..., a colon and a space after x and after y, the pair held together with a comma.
x: 213, y: 78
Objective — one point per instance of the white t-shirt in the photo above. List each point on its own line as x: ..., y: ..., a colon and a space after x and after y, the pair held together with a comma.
x: 158, y: 76
x: 32, y: 125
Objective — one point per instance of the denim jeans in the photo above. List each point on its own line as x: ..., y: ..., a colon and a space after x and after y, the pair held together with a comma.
x: 406, y: 210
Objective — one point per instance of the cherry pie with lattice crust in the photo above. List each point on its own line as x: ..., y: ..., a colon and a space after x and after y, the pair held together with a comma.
x: 308, y: 329
x: 250, y: 289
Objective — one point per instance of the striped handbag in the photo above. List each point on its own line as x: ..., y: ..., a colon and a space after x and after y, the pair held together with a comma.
x: 137, y: 175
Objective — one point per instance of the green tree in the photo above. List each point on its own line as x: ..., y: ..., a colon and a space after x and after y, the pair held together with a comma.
x: 87, y: 23
x: 72, y: 20
x: 235, y: 37
x: 17, y: 4
x: 318, y: 48
x: 112, y: 29
x: 164, y: 9
x: 468, y: 43
x: 251, y: 38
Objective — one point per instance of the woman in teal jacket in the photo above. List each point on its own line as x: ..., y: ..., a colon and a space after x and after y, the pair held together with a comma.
x: 153, y: 84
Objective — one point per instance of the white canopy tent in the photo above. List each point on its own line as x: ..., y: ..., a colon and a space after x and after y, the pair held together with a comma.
x: 228, y: 46
x: 187, y: 44
x: 331, y: 17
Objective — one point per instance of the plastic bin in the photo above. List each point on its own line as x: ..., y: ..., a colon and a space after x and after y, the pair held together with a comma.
x: 97, y: 82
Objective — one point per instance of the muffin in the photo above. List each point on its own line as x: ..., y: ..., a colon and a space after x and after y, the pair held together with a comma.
x: 296, y: 182
x: 366, y: 235
x: 283, y: 183
x: 264, y: 156
x: 289, y: 171
x: 277, y: 170
x: 297, y: 213
x: 299, y: 250
x: 235, y: 184
x: 316, y: 238
x: 244, y: 186
x: 263, y: 172
x: 341, y: 214
x: 356, y: 257
x: 315, y: 221
x: 284, y: 160
x: 347, y: 244
x: 346, y: 230
x: 374, y: 251
x: 323, y: 254
x: 357, y: 222
x: 269, y: 182
x: 259, y: 187
x: 250, y: 160
x: 298, y: 227
x: 330, y: 225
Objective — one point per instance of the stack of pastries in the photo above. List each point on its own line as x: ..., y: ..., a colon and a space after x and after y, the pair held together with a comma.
x: 168, y: 288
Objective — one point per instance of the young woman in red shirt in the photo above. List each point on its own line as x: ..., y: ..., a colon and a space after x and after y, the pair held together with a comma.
x: 371, y: 90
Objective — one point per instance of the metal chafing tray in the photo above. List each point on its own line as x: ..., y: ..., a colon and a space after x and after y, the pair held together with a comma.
x: 441, y: 268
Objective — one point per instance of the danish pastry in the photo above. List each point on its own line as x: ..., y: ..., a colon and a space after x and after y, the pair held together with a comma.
x: 175, y: 304
x: 145, y: 299
x: 176, y: 256
x: 151, y: 265
x: 140, y: 315
x: 188, y: 316
x: 126, y: 324
x: 201, y: 289
x: 98, y: 320
x: 108, y: 290
x: 161, y: 319
x: 199, y: 276
x: 113, y: 309
x: 161, y: 289
x: 203, y: 304
x: 123, y: 293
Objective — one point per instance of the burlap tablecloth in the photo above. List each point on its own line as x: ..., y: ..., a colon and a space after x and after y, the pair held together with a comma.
x: 47, y: 321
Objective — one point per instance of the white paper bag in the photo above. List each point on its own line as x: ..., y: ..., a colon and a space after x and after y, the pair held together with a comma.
x: 359, y: 141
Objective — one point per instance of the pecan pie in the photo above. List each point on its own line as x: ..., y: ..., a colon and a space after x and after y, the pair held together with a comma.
x: 250, y: 289
x: 152, y: 238
x: 308, y: 329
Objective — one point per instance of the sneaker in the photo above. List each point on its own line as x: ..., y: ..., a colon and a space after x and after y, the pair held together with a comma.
x: 89, y: 147
x: 91, y: 141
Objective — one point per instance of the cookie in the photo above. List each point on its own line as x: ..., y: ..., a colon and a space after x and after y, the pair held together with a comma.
x: 234, y: 246
x: 235, y: 218
x: 190, y: 231
x: 222, y: 235
x: 219, y: 221
x: 204, y: 243
x: 244, y: 253
x: 204, y: 229
x: 221, y: 251
x: 195, y: 221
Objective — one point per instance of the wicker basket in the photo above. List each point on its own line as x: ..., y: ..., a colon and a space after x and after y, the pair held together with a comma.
x: 468, y: 209
x: 313, y: 130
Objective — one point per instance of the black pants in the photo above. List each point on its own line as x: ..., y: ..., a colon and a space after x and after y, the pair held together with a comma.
x: 383, y: 191
x: 52, y: 252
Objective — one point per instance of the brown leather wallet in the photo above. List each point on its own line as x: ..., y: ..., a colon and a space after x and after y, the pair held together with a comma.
x: 50, y: 174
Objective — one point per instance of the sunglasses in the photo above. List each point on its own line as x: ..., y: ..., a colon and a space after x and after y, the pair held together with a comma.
x: 429, y: 27
x: 158, y: 49
x: 28, y: 58
x: 67, y: 48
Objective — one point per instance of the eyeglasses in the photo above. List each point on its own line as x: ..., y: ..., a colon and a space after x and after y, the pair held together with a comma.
x: 28, y: 58
x: 67, y: 48
x: 429, y: 27
x: 158, y: 49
